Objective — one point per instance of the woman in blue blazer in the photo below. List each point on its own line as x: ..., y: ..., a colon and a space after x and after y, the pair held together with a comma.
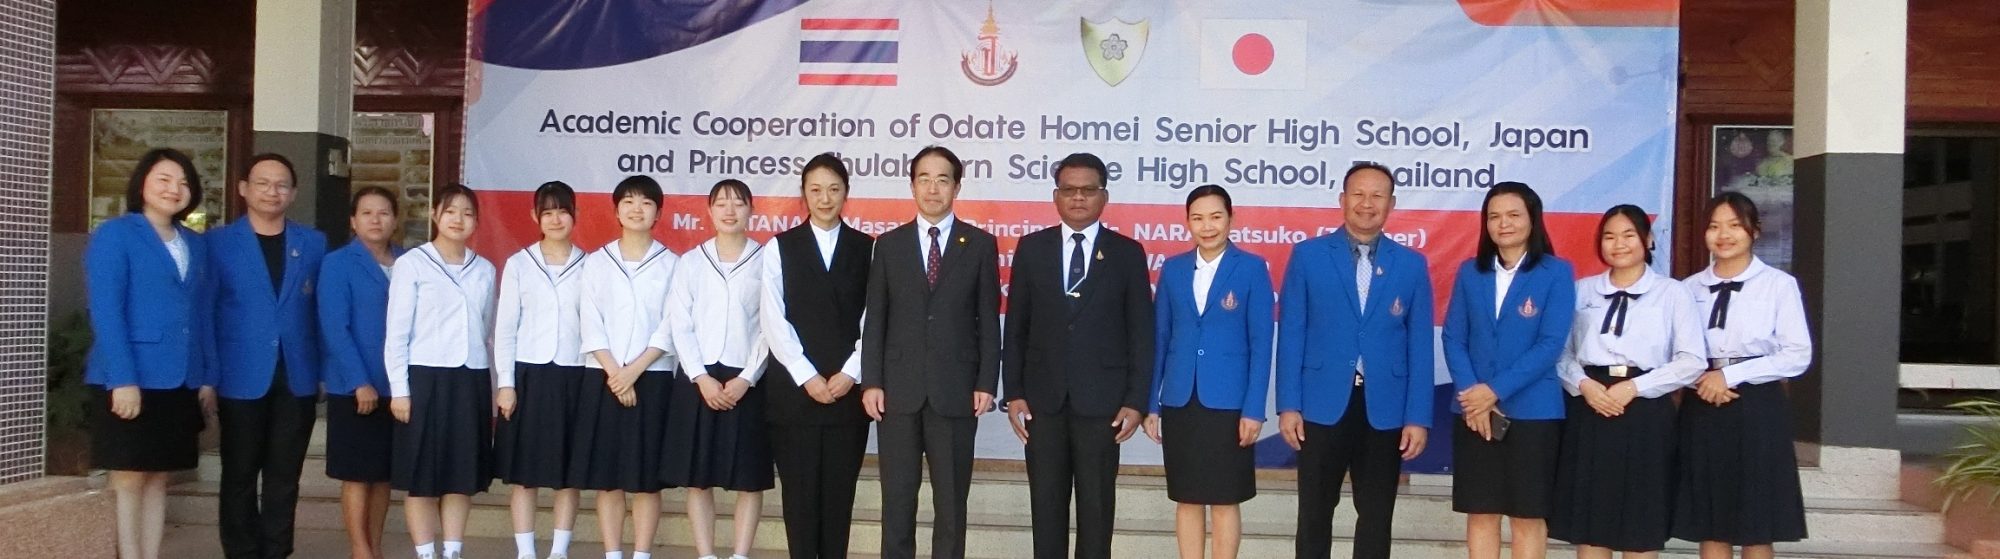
x: 1211, y: 374
x: 1504, y: 331
x: 148, y: 288
x: 353, y: 306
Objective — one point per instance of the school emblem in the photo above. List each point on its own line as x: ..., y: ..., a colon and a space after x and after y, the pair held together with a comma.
x: 1229, y: 301
x: 986, y: 64
x: 1379, y: 271
x: 1528, y: 309
x: 1396, y: 307
x: 1100, y: 256
x: 308, y: 289
x: 1113, y: 47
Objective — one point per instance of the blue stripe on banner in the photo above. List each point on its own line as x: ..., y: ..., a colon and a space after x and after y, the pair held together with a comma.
x: 847, y: 51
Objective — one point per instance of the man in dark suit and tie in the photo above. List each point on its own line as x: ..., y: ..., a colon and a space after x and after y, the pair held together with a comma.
x: 1078, y: 360
x: 930, y: 356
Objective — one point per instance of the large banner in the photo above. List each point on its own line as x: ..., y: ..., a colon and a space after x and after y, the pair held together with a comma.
x: 1272, y: 99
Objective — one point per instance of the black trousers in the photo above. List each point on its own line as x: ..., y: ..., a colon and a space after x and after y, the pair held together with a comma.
x: 263, y: 446
x: 818, y: 466
x: 904, y: 442
x: 1069, y: 452
x: 1353, y: 448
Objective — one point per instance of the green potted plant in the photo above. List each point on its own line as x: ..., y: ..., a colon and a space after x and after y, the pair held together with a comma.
x: 68, y: 398
x: 1974, y: 467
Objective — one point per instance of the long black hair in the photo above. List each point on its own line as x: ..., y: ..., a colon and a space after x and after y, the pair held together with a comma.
x: 135, y: 188
x: 1640, y: 222
x: 1538, y: 236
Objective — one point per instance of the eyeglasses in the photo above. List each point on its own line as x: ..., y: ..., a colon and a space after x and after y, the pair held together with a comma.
x: 934, y: 181
x: 1080, y: 191
x: 278, y: 187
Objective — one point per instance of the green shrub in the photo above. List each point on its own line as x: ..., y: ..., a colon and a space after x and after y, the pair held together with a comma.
x: 1975, y: 465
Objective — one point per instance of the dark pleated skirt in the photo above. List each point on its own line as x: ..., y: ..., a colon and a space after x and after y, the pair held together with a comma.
x: 1204, y: 464
x: 1514, y: 476
x: 447, y: 447
x: 709, y: 449
x: 532, y: 448
x: 1614, y: 483
x: 1739, y: 475
x: 165, y: 437
x: 617, y: 448
x: 359, y: 447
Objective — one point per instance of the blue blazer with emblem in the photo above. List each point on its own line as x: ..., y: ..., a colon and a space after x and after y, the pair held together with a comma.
x: 1515, y: 354
x: 353, y: 317
x: 253, y: 323
x: 150, y: 325
x: 1221, y: 355
x: 1324, y: 331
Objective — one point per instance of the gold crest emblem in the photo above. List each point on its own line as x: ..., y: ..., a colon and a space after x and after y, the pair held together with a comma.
x: 1379, y: 271
x: 961, y: 240
x: 1396, y: 307
x: 1100, y: 256
x: 1229, y: 301
x: 1528, y: 309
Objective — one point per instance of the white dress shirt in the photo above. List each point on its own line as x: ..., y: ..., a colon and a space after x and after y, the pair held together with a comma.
x: 712, y: 311
x: 1204, y: 277
x: 1069, y: 244
x: 623, y: 303
x: 1662, y: 335
x: 924, y: 237
x: 1503, y: 278
x: 1766, y: 320
x: 536, y: 319
x: 779, y: 336
x: 177, y: 248
x: 440, y: 315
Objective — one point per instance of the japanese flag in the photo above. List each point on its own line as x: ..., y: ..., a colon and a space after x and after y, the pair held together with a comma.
x: 1253, y: 54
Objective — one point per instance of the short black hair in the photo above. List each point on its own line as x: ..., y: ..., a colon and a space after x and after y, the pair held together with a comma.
x: 1640, y: 221
x: 1745, y: 208
x: 1360, y: 166
x: 731, y: 186
x: 1538, y: 236
x: 1206, y: 190
x: 957, y: 166
x: 1084, y: 160
x: 828, y: 161
x: 555, y: 195
x: 637, y: 184
x: 354, y: 204
x: 135, y: 188
x: 291, y: 171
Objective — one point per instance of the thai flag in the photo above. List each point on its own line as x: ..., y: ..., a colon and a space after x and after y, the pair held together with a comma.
x: 848, y: 51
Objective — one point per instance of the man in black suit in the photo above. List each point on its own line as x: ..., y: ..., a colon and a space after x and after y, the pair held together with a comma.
x: 1079, y: 360
x: 930, y: 356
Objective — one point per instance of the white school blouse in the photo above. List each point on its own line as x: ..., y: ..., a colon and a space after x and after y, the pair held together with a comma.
x: 1661, y: 334
x: 440, y: 314
x: 712, y: 312
x: 623, y: 303
x: 1765, y: 319
x: 779, y: 336
x: 536, y: 319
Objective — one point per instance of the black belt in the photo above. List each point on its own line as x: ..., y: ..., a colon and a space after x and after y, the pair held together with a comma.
x: 1718, y: 363
x: 1609, y: 375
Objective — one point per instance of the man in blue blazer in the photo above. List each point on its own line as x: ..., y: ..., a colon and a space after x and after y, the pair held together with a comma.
x: 1355, y: 366
x: 267, y: 359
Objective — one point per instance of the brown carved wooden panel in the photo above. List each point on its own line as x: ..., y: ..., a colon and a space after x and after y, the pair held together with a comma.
x: 409, y: 48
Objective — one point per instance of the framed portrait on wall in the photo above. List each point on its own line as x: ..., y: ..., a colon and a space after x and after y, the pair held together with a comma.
x: 1756, y: 160
x: 119, y: 137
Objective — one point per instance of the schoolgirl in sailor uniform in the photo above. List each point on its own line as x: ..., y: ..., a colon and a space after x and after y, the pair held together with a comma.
x: 149, y: 290
x: 1636, y: 340
x: 623, y: 416
x: 353, y: 306
x: 438, y: 360
x: 715, y: 425
x: 539, y: 369
x: 1509, y: 318
x: 1739, y: 477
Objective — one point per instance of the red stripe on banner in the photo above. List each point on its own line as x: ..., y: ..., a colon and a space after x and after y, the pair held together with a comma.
x: 848, y: 24
x: 847, y: 79
x: 1446, y: 238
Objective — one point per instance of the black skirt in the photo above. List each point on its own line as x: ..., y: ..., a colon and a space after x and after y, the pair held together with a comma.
x: 1614, y: 484
x: 532, y: 447
x: 1514, y: 476
x: 1739, y: 475
x: 617, y: 448
x: 359, y: 447
x: 447, y: 447
x: 711, y: 449
x: 1204, y: 464
x: 164, y: 438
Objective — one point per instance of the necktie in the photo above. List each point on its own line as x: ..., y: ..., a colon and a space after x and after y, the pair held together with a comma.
x: 1718, y: 318
x: 1075, y: 277
x: 1614, y: 319
x: 1364, y: 273
x: 931, y: 262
